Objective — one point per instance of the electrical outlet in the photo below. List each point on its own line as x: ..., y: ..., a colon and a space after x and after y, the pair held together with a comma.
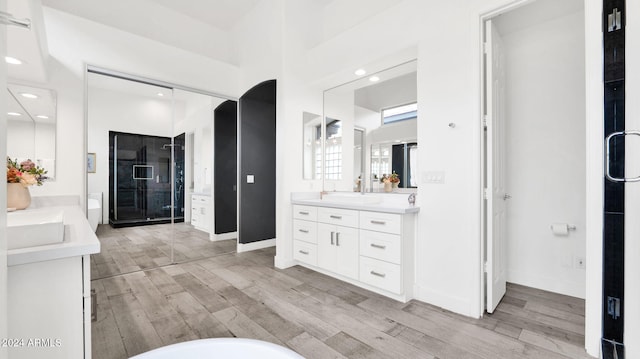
x: 579, y: 262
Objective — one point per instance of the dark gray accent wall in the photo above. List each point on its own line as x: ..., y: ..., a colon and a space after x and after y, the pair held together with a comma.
x: 225, y: 154
x: 257, y: 128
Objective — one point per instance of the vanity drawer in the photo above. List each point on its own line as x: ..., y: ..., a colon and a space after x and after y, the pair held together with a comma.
x: 305, y: 231
x: 383, y: 246
x: 381, y: 274
x: 305, y: 252
x: 340, y: 217
x: 308, y: 213
x: 381, y: 222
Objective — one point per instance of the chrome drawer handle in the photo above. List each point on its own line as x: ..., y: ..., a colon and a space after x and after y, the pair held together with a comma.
x: 304, y: 213
x: 335, y: 217
x: 381, y: 275
x: 378, y: 222
x: 378, y: 246
x: 303, y: 230
x: 303, y: 252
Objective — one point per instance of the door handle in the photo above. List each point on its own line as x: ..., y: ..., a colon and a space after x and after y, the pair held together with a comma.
x: 607, y: 142
x: 506, y: 197
x: 338, y: 239
x: 332, y: 234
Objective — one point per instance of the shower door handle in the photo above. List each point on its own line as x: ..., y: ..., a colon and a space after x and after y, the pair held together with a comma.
x: 607, y: 142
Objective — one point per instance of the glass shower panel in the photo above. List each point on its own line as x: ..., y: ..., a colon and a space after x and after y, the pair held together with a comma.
x: 140, y: 179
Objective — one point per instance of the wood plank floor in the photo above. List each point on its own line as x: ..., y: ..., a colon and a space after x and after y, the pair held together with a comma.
x: 243, y: 295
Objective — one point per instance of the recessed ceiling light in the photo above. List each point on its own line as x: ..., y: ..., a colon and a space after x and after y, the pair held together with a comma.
x: 14, y: 114
x: 28, y: 95
x: 44, y: 117
x: 374, y: 79
x: 12, y: 60
x: 360, y: 72
x: 160, y: 94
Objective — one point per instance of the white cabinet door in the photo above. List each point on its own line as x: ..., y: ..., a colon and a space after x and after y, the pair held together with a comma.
x: 338, y: 249
x: 326, y: 246
x: 347, y: 251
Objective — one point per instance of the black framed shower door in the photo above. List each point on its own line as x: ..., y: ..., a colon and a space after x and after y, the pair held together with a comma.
x: 140, y: 190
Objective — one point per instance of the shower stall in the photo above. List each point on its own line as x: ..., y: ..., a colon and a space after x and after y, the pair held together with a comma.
x: 140, y: 179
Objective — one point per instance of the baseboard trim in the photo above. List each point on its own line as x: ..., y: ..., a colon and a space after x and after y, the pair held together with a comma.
x: 223, y: 236
x: 283, y: 263
x: 246, y: 247
x: 451, y: 303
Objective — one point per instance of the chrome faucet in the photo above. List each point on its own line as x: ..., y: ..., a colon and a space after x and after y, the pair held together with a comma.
x: 412, y: 199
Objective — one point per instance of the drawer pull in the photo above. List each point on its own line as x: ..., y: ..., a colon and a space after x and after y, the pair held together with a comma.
x: 303, y: 230
x: 303, y: 213
x: 335, y: 217
x: 304, y: 252
x: 378, y: 222
x: 381, y: 275
x: 378, y: 246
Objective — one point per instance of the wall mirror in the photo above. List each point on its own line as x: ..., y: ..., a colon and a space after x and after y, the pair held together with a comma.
x: 370, y: 131
x: 152, y: 176
x: 31, y: 126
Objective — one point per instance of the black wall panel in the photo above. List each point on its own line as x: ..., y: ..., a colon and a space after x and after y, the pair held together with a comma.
x: 258, y: 158
x: 225, y: 152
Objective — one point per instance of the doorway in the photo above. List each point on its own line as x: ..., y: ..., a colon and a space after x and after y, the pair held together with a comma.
x: 534, y: 159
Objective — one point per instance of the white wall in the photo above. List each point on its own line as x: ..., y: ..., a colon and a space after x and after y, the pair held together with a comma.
x: 545, y: 157
x: 21, y: 143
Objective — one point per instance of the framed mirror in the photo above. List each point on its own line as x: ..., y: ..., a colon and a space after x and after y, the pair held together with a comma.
x: 31, y: 126
x: 371, y: 131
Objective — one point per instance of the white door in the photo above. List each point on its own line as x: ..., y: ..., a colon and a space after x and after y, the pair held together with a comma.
x: 496, y: 196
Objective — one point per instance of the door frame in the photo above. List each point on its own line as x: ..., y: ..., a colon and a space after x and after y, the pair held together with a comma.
x: 594, y: 90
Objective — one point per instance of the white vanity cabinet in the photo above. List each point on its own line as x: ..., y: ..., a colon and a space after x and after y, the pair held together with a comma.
x: 50, y: 309
x: 49, y: 290
x: 201, y: 212
x: 370, y: 249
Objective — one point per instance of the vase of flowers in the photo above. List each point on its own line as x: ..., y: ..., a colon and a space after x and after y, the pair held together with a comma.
x: 386, y: 181
x: 19, y: 177
x: 394, y: 179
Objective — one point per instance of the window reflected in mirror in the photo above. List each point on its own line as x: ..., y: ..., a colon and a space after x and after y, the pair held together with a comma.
x: 312, y: 146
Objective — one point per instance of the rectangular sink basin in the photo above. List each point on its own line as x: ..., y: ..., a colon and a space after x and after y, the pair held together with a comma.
x: 349, y: 197
x: 32, y: 228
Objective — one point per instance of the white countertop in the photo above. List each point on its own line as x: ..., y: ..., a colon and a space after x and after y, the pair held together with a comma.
x: 389, y: 202
x: 79, y: 240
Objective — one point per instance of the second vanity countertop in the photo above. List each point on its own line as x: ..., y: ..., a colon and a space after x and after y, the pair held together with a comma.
x: 375, y: 202
x: 79, y: 240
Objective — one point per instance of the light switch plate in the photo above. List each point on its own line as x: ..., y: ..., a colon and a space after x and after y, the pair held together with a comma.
x: 433, y: 177
x: 250, y: 178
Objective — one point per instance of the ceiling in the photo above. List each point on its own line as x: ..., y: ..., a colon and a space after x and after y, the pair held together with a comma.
x: 221, y: 14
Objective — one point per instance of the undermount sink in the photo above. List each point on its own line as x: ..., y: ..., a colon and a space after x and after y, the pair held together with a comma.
x: 351, y: 197
x: 36, y: 227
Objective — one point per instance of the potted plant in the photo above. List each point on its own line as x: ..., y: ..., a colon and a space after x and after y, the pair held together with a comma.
x: 19, y: 177
x: 394, y: 179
